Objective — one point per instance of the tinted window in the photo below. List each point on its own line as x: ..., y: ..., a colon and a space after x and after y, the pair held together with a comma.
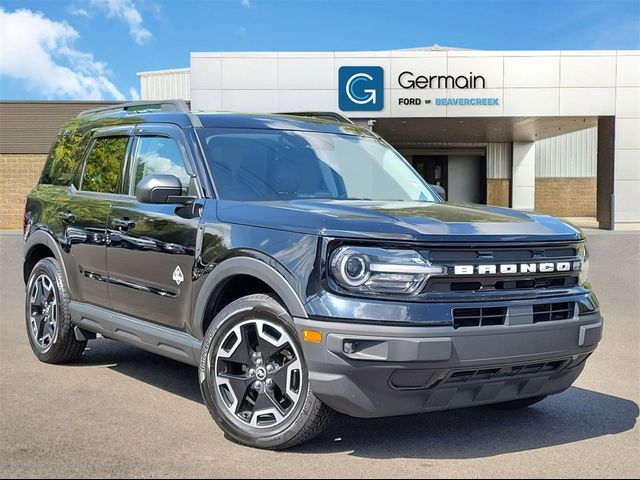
x: 159, y: 155
x: 285, y: 165
x: 64, y: 158
x: 104, y: 163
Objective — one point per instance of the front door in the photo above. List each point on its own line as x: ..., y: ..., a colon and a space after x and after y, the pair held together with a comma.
x: 434, y: 169
x: 152, y: 248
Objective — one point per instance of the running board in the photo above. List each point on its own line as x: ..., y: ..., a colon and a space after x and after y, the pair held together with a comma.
x: 147, y: 336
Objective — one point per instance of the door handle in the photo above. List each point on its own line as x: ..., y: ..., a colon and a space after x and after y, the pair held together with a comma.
x: 67, y: 217
x: 124, y: 223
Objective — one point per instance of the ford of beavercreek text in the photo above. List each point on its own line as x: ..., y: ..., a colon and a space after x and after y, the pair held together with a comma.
x: 302, y: 265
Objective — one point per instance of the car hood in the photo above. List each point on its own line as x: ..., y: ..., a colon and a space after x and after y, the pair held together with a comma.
x: 410, y: 221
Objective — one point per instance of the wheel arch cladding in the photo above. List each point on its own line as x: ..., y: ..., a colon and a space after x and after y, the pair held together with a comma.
x: 249, y: 267
x: 40, y: 245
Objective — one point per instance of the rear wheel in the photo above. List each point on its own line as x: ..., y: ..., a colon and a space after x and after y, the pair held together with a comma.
x: 49, y: 326
x: 254, y: 379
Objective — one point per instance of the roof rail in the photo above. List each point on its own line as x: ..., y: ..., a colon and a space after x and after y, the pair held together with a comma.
x: 142, y: 106
x: 336, y: 117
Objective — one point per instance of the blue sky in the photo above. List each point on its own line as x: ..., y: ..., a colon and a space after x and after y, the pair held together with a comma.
x: 92, y: 49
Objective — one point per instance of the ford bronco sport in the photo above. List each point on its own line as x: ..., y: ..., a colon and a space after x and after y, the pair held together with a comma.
x: 302, y: 265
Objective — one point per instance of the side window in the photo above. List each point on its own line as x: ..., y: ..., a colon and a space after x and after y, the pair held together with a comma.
x: 65, y: 157
x: 158, y: 155
x: 104, y: 164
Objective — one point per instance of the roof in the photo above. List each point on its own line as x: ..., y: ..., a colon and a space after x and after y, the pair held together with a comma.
x: 177, y: 113
x: 278, y: 122
x: 433, y: 48
x: 163, y: 72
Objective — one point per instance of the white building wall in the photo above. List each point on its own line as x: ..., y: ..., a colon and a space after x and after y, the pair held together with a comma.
x: 627, y: 138
x: 524, y: 176
x: 527, y: 83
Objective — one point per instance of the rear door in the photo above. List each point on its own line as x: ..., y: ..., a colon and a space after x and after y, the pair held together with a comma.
x: 152, y: 248
x: 87, y: 209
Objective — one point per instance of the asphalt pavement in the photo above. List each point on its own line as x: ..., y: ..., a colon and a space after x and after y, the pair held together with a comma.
x: 122, y: 412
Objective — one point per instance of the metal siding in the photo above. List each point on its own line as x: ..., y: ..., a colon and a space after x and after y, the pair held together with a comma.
x: 499, y: 160
x: 573, y: 155
x: 31, y: 126
x: 163, y: 85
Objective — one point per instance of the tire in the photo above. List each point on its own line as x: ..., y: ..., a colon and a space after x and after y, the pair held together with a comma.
x: 518, y: 404
x: 259, y: 395
x: 47, y: 316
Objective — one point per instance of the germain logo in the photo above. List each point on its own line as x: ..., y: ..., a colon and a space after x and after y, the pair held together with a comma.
x: 361, y: 89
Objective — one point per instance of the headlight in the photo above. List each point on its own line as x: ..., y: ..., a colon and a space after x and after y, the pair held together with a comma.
x: 381, y: 271
x: 584, y: 264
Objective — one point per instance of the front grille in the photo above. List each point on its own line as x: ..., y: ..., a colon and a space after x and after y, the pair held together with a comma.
x: 479, y: 317
x: 514, y: 371
x: 432, y: 379
x: 477, y: 255
x: 548, y: 312
x: 444, y: 285
x: 492, y: 316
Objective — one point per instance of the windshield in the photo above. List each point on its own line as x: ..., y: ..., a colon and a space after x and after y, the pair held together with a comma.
x: 265, y: 165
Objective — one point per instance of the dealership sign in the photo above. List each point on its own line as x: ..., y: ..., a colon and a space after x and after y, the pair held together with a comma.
x: 410, y: 80
x: 362, y: 89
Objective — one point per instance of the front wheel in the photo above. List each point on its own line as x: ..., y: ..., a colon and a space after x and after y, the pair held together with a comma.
x: 254, y: 378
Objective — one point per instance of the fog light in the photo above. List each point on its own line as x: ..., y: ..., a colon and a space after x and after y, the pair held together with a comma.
x: 349, y: 347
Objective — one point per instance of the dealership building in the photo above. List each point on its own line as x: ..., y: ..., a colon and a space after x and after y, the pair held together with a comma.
x: 552, y: 131
x: 556, y: 132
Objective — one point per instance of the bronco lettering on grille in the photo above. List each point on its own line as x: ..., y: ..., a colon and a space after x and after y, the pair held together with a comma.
x: 517, y: 268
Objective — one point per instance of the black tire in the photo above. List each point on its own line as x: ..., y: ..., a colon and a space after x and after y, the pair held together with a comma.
x: 518, y: 404
x: 62, y: 346
x: 308, y: 416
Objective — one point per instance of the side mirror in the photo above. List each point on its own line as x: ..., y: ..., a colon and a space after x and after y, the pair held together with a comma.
x: 440, y: 191
x: 159, y: 188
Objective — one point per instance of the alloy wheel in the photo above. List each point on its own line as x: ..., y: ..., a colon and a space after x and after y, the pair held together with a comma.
x: 258, y: 373
x: 43, y: 311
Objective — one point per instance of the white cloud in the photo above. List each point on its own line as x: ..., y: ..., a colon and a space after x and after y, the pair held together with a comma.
x: 246, y: 3
x: 41, y: 52
x: 126, y: 11
x: 133, y: 93
x: 78, y: 12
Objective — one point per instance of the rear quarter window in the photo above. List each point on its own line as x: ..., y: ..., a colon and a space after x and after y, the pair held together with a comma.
x: 65, y: 158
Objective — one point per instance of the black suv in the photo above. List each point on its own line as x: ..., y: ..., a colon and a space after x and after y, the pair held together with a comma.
x: 302, y: 265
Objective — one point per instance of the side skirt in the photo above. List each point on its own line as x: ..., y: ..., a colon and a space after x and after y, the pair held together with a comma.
x: 147, y: 336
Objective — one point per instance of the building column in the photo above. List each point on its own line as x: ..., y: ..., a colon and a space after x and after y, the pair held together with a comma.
x: 605, y: 171
x: 523, y: 184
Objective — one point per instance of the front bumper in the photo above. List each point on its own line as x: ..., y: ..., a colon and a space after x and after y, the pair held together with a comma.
x: 403, y: 370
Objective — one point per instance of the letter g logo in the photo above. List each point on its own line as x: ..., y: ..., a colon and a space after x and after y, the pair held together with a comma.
x: 361, y: 89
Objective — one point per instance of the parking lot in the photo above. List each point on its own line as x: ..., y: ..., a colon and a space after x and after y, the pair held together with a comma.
x: 124, y: 412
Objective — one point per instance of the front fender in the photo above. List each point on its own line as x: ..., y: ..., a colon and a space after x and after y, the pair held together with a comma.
x: 245, y: 266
